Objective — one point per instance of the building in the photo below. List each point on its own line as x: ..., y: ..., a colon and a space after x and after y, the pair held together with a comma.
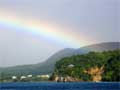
x: 70, y: 66
x: 29, y: 76
x: 43, y: 76
x: 23, y: 77
x: 14, y: 77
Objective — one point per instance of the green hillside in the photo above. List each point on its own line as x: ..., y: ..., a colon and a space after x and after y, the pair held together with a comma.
x: 47, y: 67
x: 94, y: 66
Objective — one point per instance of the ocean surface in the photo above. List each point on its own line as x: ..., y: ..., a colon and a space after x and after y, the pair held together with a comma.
x: 60, y: 86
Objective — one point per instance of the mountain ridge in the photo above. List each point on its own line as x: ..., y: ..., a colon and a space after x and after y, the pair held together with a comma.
x: 47, y: 66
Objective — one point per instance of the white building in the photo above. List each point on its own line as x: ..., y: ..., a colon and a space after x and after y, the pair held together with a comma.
x: 23, y: 77
x: 70, y: 66
x: 29, y: 76
x: 43, y: 76
x: 14, y: 77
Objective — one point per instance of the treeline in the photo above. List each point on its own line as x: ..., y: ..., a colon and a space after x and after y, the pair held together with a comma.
x: 77, y: 66
x: 7, y: 73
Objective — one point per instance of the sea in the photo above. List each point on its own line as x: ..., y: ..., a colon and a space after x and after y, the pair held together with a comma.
x: 60, y: 86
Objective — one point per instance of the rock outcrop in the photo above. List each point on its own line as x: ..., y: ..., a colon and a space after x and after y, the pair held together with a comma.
x: 96, y: 73
x: 65, y: 79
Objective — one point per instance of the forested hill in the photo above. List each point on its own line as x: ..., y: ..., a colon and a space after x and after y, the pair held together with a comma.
x: 47, y: 66
x: 94, y: 66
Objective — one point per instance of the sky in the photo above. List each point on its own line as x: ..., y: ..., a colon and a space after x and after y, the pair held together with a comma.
x: 33, y: 30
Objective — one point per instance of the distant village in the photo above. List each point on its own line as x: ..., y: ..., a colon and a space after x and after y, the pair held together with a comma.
x: 29, y: 78
x: 32, y: 78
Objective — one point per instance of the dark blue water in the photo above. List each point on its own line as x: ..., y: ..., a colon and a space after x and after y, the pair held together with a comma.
x: 60, y: 86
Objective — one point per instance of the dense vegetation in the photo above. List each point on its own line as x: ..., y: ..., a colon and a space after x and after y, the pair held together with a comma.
x: 7, y: 73
x: 47, y: 67
x: 109, y: 60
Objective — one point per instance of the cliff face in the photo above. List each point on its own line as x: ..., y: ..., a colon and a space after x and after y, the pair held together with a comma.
x: 96, y: 73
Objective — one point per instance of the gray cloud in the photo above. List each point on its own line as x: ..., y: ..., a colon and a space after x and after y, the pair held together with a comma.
x: 96, y: 19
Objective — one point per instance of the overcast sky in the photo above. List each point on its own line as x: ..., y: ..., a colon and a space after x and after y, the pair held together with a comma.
x: 97, y: 20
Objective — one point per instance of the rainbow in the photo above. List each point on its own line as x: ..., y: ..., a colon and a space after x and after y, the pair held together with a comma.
x: 43, y: 29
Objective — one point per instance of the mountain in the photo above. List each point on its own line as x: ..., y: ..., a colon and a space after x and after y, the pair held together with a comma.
x: 102, y: 46
x: 48, y: 66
